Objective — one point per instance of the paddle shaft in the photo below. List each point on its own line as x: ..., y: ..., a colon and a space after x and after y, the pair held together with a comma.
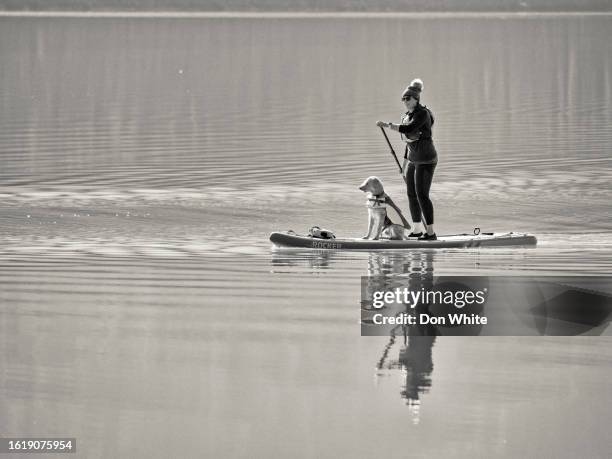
x: 393, y: 152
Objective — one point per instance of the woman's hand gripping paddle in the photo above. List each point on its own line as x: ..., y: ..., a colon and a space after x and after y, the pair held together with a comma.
x: 393, y: 153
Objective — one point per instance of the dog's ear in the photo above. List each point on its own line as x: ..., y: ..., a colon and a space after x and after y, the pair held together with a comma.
x: 376, y: 186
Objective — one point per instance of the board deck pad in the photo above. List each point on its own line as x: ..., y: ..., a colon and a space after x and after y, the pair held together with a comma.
x: 290, y: 239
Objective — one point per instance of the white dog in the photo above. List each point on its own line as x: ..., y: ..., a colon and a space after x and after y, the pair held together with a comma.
x: 380, y: 225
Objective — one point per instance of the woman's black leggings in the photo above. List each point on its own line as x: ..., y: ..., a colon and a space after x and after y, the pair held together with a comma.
x: 418, y: 183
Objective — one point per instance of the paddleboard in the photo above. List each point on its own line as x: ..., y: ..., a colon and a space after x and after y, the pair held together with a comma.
x: 290, y: 239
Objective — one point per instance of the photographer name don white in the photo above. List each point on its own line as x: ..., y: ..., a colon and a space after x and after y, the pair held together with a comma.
x: 426, y: 319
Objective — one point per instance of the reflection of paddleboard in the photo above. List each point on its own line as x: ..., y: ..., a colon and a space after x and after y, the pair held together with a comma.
x: 287, y: 239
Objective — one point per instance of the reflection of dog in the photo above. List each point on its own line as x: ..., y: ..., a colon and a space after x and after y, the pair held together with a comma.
x: 380, y: 225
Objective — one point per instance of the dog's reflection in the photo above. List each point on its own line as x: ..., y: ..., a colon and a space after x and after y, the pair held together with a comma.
x: 416, y: 271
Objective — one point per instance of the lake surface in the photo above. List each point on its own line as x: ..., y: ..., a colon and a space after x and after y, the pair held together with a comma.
x: 144, y: 162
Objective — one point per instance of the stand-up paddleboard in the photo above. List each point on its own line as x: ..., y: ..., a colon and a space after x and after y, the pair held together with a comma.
x: 290, y: 239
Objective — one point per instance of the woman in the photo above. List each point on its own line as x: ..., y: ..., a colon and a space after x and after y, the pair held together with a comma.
x: 420, y: 159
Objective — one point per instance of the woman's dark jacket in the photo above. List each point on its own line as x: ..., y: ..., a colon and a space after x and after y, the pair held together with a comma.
x: 417, y: 125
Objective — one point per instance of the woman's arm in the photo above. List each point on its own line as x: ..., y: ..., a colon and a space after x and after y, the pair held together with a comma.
x: 413, y: 127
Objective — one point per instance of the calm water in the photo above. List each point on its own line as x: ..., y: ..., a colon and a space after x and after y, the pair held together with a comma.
x: 143, y: 163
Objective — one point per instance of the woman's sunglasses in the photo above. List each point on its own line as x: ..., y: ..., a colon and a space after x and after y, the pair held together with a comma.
x: 406, y: 99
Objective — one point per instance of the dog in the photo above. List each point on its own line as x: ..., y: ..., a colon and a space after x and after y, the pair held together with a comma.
x: 380, y: 225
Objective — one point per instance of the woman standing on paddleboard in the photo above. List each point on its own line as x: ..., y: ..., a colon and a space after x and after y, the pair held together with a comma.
x: 420, y: 159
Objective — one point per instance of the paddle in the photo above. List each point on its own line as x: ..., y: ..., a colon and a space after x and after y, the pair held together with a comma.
x: 393, y: 152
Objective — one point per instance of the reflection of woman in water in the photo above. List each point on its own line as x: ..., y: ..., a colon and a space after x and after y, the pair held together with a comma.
x: 415, y: 356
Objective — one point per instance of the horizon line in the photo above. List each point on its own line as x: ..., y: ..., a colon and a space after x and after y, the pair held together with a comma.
x: 293, y: 14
